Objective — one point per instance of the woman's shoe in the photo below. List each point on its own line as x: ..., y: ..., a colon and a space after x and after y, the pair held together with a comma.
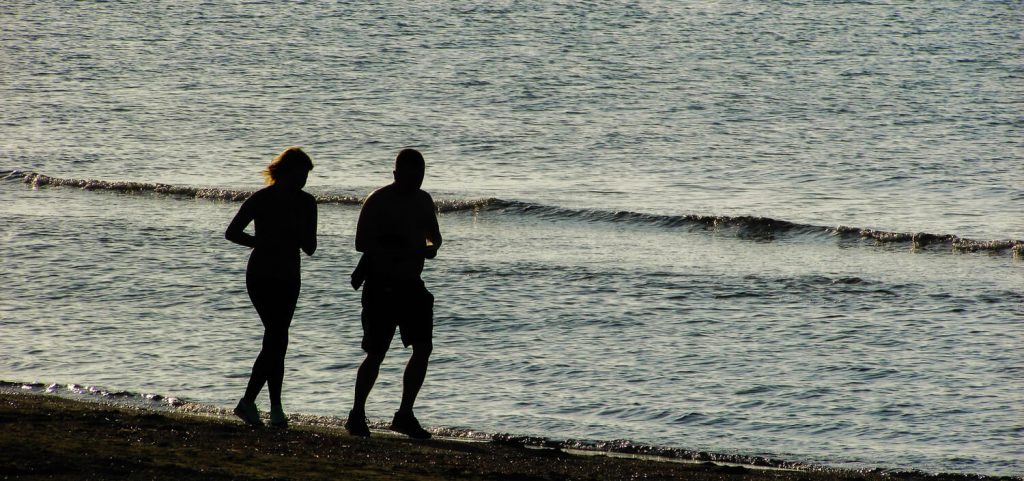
x: 277, y: 417
x: 247, y: 412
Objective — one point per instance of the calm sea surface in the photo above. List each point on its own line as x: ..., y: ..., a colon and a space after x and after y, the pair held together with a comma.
x: 682, y: 224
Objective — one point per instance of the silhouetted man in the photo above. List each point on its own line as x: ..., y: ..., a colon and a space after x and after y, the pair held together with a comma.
x: 397, y: 230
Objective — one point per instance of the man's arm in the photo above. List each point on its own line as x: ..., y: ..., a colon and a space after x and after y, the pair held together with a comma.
x: 434, y: 239
x: 368, y: 228
x: 365, y: 226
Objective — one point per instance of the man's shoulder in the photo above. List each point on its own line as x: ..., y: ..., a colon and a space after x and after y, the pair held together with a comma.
x: 379, y: 194
x: 390, y: 191
x: 389, y: 195
x: 423, y: 195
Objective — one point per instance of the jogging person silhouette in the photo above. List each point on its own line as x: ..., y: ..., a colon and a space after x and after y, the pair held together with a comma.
x: 396, y: 232
x: 285, y: 222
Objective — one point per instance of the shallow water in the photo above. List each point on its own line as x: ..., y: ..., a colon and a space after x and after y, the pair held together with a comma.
x: 642, y: 211
x: 694, y: 339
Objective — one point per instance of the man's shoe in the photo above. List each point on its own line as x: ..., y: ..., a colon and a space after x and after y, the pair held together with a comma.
x: 277, y: 417
x: 247, y: 412
x: 407, y: 424
x: 356, y: 425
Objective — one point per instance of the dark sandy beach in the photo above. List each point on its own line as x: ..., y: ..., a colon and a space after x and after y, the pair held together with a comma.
x: 50, y: 437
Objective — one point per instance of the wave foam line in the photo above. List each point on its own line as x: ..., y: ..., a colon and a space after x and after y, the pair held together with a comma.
x: 37, y: 180
x: 746, y: 227
x: 761, y: 228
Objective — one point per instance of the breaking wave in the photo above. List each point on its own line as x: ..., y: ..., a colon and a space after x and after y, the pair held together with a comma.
x: 746, y: 227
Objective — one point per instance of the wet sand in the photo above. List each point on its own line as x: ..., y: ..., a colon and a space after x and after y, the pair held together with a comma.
x: 50, y: 437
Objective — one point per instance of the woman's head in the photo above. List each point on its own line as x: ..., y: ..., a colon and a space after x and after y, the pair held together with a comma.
x: 291, y: 165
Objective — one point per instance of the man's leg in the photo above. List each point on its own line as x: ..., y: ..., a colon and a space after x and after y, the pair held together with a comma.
x: 366, y: 377
x: 415, y: 373
x: 418, y: 333
x: 405, y: 422
x: 377, y: 334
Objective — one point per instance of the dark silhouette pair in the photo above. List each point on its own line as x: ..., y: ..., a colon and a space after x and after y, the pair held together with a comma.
x: 396, y: 232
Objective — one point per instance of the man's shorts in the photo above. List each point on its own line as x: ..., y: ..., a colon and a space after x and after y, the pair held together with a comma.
x: 409, y: 307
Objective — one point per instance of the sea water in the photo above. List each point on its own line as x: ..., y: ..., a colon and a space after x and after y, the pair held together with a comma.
x: 787, y: 229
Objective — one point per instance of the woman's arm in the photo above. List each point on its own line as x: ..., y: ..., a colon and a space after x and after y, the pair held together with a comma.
x: 236, y: 229
x: 309, y: 237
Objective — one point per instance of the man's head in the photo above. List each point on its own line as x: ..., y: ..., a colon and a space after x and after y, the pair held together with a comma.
x: 409, y: 169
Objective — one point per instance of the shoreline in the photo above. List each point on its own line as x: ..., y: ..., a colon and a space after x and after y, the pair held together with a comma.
x: 50, y: 436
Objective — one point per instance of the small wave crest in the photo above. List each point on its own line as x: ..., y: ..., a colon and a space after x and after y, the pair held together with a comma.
x: 764, y: 228
x: 744, y: 227
x: 37, y: 180
x: 459, y: 205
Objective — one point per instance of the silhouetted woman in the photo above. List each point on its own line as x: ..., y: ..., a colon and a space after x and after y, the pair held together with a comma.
x: 285, y: 222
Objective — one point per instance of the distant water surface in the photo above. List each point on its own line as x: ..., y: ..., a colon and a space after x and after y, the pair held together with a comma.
x: 644, y: 213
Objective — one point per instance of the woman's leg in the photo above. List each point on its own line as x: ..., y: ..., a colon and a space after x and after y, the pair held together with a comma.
x: 269, y: 366
x: 278, y: 340
x: 275, y: 304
